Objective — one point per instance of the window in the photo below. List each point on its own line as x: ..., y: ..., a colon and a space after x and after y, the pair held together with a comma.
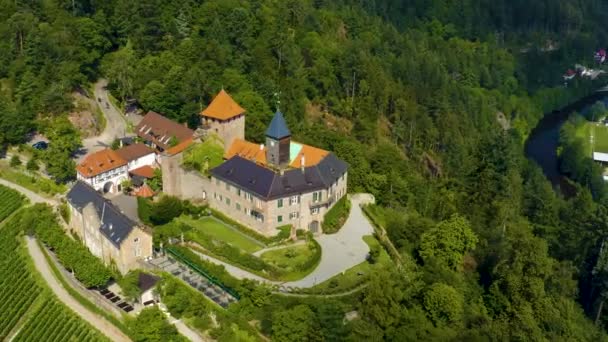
x: 227, y: 200
x: 280, y: 218
x: 215, y: 195
x: 221, y: 198
x: 238, y: 207
x: 136, y: 240
x: 249, y: 197
x: 227, y: 186
x: 238, y: 192
x: 280, y: 203
x: 294, y: 215
x: 317, y: 196
x: 314, y: 211
x: 294, y: 200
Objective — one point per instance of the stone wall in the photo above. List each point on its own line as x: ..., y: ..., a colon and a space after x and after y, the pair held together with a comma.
x: 227, y: 130
x: 180, y: 182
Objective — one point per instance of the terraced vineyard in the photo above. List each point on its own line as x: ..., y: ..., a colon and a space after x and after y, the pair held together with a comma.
x: 26, y: 305
x: 54, y: 322
x: 10, y: 200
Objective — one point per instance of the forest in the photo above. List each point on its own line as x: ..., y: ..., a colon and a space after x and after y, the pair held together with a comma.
x: 429, y: 101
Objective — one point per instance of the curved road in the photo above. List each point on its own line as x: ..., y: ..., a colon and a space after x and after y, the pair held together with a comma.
x: 101, y: 324
x: 340, y: 251
x: 116, y: 125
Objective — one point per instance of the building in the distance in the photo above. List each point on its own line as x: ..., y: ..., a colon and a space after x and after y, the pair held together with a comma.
x: 105, y: 170
x: 280, y: 183
x: 107, y: 233
x: 161, y: 133
x: 225, y: 118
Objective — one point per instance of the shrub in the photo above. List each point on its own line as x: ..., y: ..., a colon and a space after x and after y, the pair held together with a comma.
x: 144, y: 210
x: 15, y: 161
x: 336, y: 216
x: 129, y: 284
x: 32, y: 165
x: 166, y: 209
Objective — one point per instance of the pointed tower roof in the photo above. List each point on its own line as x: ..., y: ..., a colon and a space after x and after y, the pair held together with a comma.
x: 223, y: 107
x: 145, y: 191
x: 278, y: 127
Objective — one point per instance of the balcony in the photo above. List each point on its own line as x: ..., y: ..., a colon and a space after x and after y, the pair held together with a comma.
x: 324, y: 202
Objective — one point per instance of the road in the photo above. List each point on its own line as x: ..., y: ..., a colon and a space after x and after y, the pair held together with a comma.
x: 116, y: 125
x: 101, y: 324
x: 32, y: 196
x: 340, y: 251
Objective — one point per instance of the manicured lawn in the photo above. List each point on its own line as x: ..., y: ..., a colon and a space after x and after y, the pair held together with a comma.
x: 296, y: 261
x: 355, y: 276
x: 220, y: 231
x: 600, y: 137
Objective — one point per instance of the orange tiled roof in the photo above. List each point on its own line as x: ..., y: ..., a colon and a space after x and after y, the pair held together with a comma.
x: 145, y: 171
x: 312, y: 156
x: 144, y: 191
x: 100, y: 162
x: 223, y: 107
x: 247, y: 150
x: 179, y: 147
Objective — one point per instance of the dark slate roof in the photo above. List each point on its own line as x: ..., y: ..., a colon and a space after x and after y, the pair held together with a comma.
x: 278, y: 127
x: 146, y: 281
x: 268, y: 184
x: 115, y: 225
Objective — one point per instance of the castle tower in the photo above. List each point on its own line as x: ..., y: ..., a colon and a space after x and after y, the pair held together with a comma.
x: 278, y: 140
x: 225, y: 118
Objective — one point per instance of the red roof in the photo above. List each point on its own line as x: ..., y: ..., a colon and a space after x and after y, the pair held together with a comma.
x: 144, y: 191
x: 135, y: 151
x: 144, y: 171
x: 100, y: 162
x: 223, y: 107
x: 160, y: 130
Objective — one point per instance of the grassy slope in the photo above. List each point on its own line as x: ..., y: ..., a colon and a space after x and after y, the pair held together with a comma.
x: 221, y: 232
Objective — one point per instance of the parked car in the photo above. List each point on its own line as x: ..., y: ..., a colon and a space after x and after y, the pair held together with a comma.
x: 41, y: 145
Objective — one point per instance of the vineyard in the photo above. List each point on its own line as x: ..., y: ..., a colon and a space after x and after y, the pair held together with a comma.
x: 25, y: 304
x: 54, y: 322
x: 10, y: 200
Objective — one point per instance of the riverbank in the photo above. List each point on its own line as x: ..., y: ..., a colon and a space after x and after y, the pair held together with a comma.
x: 543, y: 142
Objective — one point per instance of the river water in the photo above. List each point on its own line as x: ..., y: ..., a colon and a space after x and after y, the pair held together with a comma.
x: 543, y: 141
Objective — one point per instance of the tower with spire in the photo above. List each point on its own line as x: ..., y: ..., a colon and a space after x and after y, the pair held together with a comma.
x: 225, y: 118
x: 278, y: 141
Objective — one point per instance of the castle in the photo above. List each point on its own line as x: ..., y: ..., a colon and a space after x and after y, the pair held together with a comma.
x: 262, y: 186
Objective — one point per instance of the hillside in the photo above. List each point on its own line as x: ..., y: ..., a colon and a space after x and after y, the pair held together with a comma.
x: 407, y: 94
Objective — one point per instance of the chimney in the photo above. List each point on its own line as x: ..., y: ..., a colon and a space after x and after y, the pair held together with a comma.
x: 302, y: 162
x: 256, y: 155
x: 120, y: 143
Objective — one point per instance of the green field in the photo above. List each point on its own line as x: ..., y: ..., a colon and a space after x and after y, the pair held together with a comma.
x: 26, y: 305
x: 295, y: 261
x: 204, y: 156
x: 600, y: 137
x: 217, y: 230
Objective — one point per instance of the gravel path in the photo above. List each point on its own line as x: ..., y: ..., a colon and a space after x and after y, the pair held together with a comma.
x: 105, y: 327
x: 32, y: 196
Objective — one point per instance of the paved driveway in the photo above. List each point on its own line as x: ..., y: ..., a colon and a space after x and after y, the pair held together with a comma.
x: 116, y: 125
x: 344, y: 249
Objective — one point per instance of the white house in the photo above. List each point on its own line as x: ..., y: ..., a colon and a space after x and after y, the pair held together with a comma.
x: 107, y: 169
x: 137, y: 155
x: 103, y: 171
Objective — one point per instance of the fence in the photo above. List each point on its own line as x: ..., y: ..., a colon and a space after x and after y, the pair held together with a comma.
x: 202, y: 272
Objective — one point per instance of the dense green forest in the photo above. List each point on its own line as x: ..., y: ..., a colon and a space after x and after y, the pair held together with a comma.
x: 429, y: 101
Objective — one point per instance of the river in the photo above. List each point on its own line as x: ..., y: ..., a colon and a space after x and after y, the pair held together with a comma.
x: 543, y: 141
